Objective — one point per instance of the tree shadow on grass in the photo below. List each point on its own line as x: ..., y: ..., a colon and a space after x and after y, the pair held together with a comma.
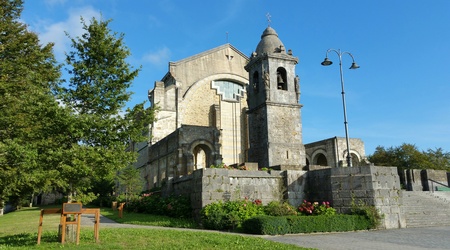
x: 26, y: 239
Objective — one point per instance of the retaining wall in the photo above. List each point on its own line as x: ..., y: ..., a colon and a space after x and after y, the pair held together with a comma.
x: 209, y: 185
x: 371, y: 185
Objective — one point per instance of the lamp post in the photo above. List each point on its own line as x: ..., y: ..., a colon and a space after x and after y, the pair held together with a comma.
x: 327, y: 62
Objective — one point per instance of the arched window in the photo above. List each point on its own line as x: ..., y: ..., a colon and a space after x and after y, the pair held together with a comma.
x: 281, y: 78
x: 229, y: 91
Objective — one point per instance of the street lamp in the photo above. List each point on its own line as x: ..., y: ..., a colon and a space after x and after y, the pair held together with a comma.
x: 327, y: 62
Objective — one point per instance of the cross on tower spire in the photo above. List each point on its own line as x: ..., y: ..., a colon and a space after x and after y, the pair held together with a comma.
x: 268, y: 19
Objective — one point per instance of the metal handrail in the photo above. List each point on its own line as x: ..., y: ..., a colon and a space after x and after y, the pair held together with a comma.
x: 433, y: 181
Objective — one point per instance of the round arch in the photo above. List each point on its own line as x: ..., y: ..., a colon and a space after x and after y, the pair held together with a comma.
x: 356, y: 157
x: 201, y: 152
x: 319, y: 158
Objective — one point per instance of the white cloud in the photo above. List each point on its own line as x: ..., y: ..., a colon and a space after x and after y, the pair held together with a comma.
x: 158, y: 58
x: 55, y: 2
x: 55, y: 32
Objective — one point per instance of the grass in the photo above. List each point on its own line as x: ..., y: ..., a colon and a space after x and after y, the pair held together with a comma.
x: 18, y: 230
x: 149, y: 220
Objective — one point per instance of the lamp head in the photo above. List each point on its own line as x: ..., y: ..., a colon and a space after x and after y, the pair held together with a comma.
x: 326, y: 62
x: 354, y: 66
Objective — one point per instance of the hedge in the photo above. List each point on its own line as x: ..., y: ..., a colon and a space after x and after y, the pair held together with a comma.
x: 265, y: 224
x: 275, y: 225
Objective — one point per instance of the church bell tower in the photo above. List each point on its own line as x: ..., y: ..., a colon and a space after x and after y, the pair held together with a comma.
x: 274, y: 118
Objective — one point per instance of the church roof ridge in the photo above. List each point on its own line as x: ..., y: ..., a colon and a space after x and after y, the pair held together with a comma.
x: 223, y: 46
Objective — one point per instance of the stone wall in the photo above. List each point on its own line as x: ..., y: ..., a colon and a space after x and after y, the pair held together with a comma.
x: 433, y: 178
x: 371, y: 185
x: 210, y: 185
x: 424, y: 179
x: 375, y: 186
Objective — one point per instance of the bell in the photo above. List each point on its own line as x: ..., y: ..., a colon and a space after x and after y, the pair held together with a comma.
x: 280, y: 79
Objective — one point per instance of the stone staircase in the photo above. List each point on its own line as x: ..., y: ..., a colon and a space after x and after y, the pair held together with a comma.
x: 426, y: 209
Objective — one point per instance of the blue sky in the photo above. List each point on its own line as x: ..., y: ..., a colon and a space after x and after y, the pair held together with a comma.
x: 399, y: 95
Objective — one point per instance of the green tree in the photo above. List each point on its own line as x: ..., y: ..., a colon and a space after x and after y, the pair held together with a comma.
x: 130, y: 182
x: 97, y: 93
x: 407, y: 156
x: 29, y: 113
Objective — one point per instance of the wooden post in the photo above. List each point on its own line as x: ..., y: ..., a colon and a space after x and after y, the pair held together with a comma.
x: 121, y: 209
x: 114, y: 205
x: 96, y: 212
x: 41, y: 220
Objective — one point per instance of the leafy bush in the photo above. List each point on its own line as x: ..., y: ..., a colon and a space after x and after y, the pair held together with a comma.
x: 313, y: 208
x: 369, y: 212
x: 154, y: 203
x: 276, y: 208
x: 266, y: 225
x: 229, y: 215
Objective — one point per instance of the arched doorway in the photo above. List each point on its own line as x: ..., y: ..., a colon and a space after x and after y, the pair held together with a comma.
x: 201, y: 156
x: 321, y: 160
x: 355, y: 160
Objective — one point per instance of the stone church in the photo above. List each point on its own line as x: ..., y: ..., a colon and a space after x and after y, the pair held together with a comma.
x: 221, y: 106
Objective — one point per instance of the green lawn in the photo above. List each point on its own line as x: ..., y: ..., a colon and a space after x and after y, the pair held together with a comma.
x: 18, y: 230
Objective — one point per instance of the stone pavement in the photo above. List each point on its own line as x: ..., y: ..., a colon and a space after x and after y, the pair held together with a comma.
x: 407, y: 238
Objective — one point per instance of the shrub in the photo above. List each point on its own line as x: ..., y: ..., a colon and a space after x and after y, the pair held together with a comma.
x: 313, y: 208
x: 229, y: 215
x: 322, y: 223
x: 276, y: 208
x: 369, y: 212
x: 154, y: 203
x: 266, y: 225
x: 213, y: 216
x: 273, y: 225
x: 177, y: 206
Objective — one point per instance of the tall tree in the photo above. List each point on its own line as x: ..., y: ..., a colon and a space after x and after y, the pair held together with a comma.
x: 28, y: 111
x: 97, y: 93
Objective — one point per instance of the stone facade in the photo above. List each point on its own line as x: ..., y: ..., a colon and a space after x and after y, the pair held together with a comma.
x: 207, y: 92
x: 275, y: 129
x: 333, y: 152
x: 253, y: 103
x: 173, y: 156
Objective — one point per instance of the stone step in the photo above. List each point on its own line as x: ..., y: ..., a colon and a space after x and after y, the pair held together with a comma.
x: 425, y: 209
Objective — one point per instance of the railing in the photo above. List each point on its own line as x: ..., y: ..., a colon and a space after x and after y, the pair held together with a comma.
x: 437, y: 182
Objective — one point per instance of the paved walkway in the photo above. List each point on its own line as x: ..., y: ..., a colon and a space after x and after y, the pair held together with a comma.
x: 407, y: 238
